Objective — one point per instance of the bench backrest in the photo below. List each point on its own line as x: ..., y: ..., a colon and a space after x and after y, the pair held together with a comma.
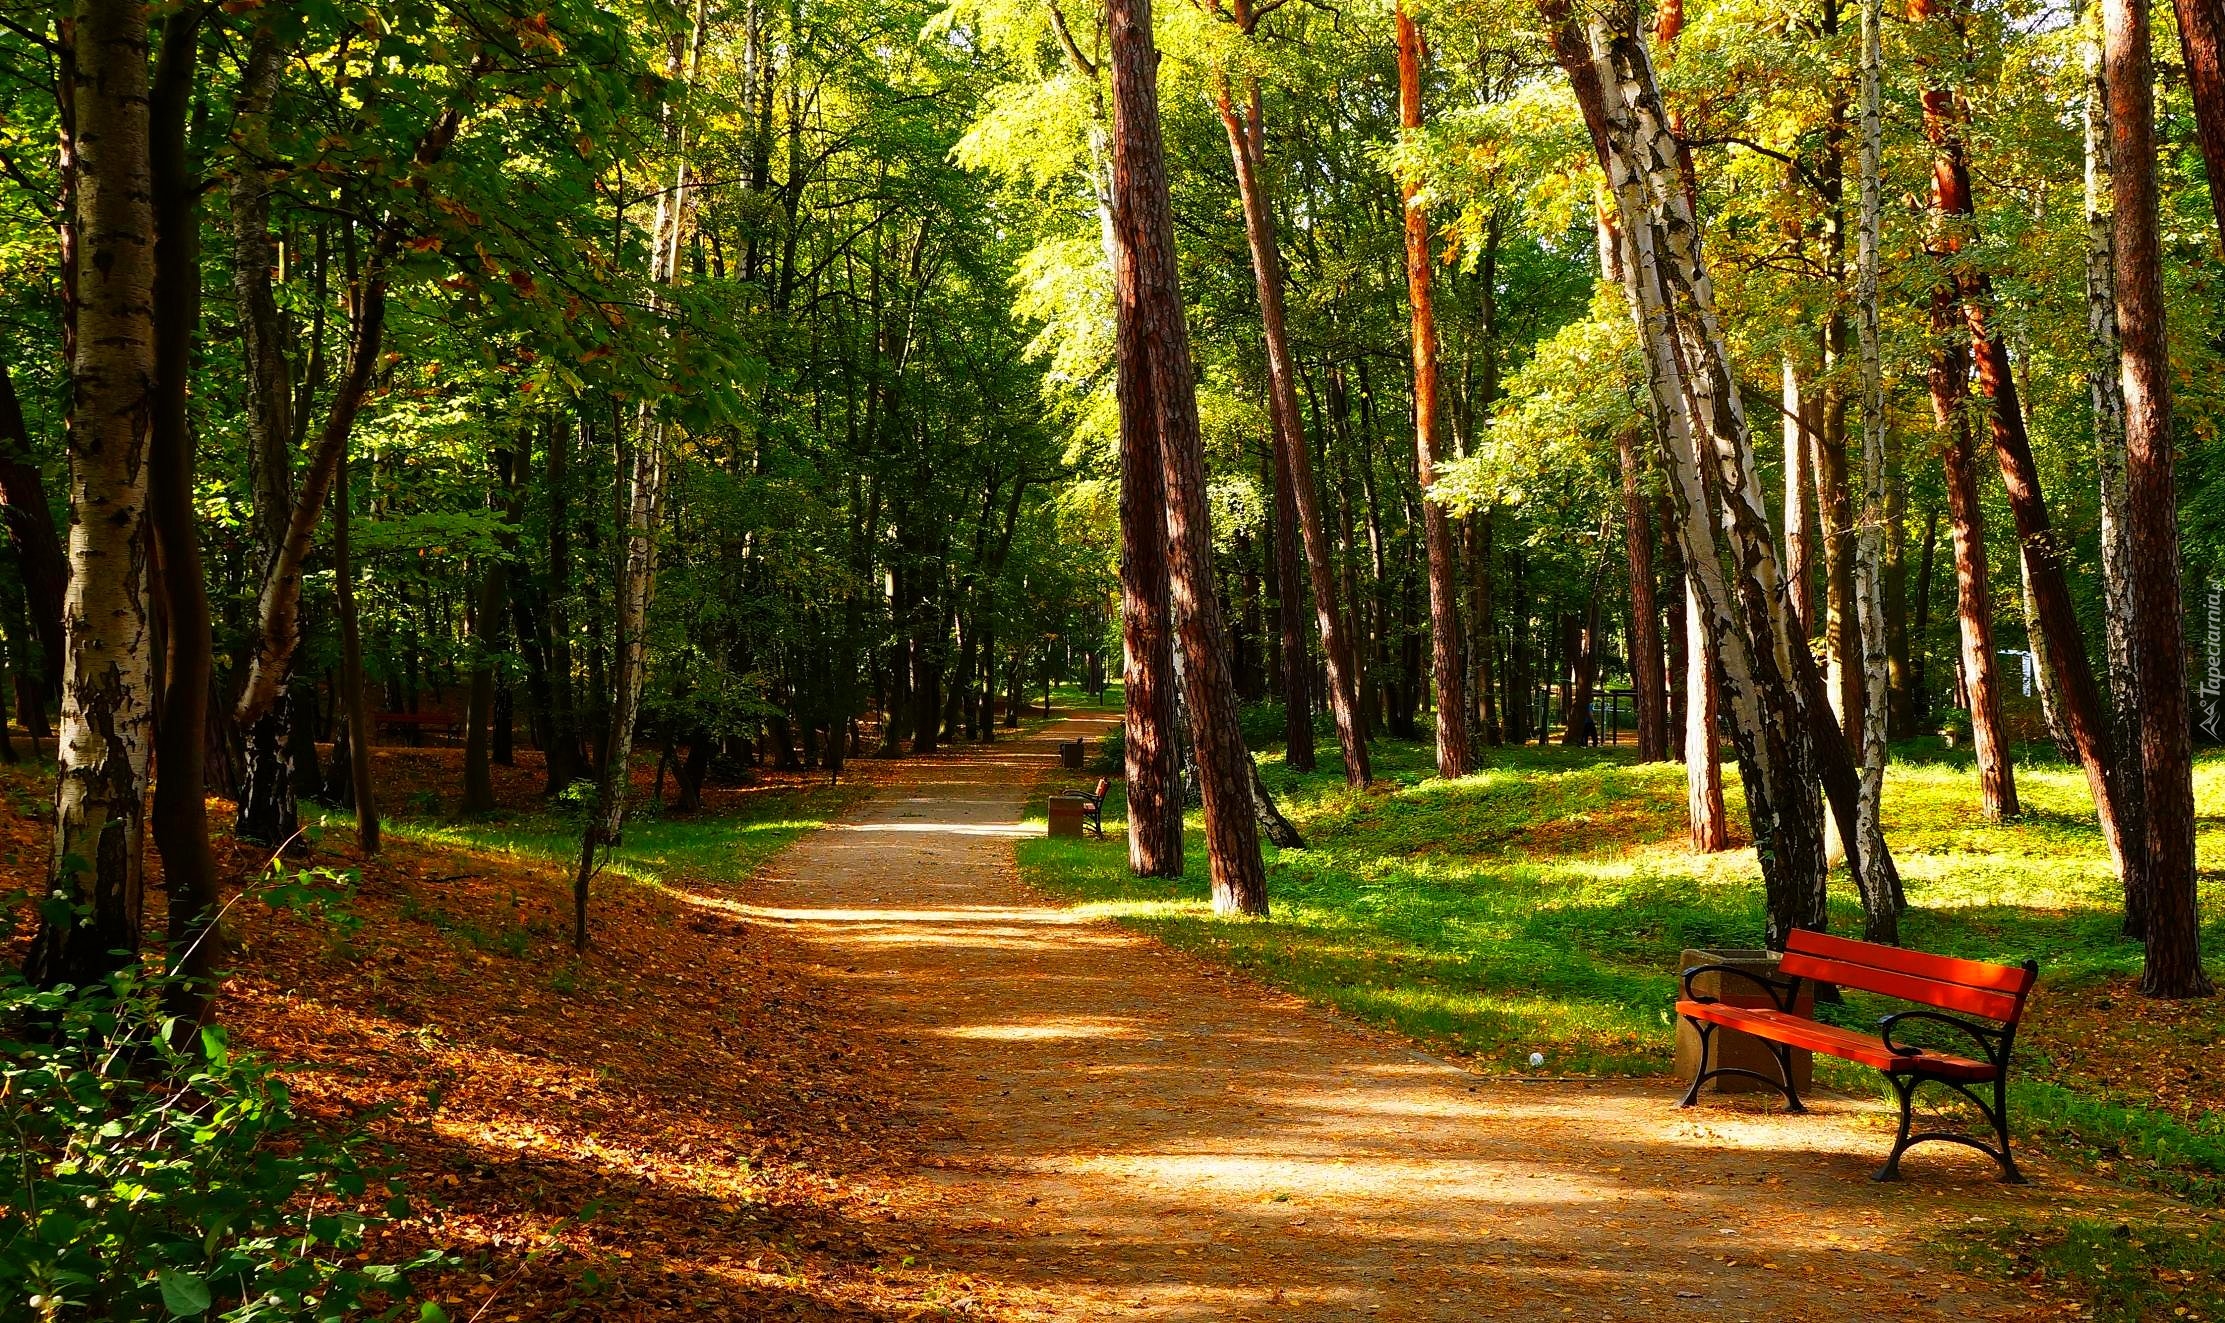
x: 1973, y: 987
x: 1099, y: 793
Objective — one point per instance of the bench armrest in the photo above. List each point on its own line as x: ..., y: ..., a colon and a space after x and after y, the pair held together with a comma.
x: 1784, y: 991
x: 1993, y: 1043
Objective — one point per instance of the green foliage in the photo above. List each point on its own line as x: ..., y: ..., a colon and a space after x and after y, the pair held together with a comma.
x: 154, y: 1171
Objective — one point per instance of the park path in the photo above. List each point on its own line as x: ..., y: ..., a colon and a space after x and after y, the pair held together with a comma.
x: 1111, y: 1130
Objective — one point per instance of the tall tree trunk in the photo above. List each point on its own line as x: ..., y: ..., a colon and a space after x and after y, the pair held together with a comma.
x: 277, y: 629
x: 1444, y: 553
x: 486, y: 633
x: 2105, y: 387
x: 1297, y: 669
x: 2044, y: 676
x: 1646, y: 675
x: 1293, y: 456
x: 180, y: 811
x: 1769, y: 684
x: 1880, y: 892
x: 1703, y: 768
x: 108, y: 680
x: 1152, y: 331
x: 362, y: 730
x: 2202, y: 42
x: 2041, y: 548
x: 2174, y: 956
x: 1900, y: 666
x: 1799, y: 454
x: 1974, y: 608
x: 562, y: 761
x: 1835, y: 505
x: 640, y: 512
x: 266, y: 812
x: 40, y: 564
x: 1482, y: 626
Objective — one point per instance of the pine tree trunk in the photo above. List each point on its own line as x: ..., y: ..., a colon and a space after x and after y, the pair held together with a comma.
x: 1444, y: 553
x: 108, y: 674
x: 2202, y: 43
x: 2040, y: 547
x: 486, y: 633
x: 1293, y: 456
x: 1152, y: 330
x: 1973, y: 598
x: 2173, y: 967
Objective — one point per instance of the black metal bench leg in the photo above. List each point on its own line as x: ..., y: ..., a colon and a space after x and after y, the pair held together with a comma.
x: 1904, y: 1086
x: 1783, y: 1053
x: 1706, y: 1032
x: 2009, y: 1174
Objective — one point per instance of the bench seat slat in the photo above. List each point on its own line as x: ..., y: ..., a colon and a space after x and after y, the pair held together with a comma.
x: 2011, y: 979
x: 1866, y: 1049
x: 1908, y: 987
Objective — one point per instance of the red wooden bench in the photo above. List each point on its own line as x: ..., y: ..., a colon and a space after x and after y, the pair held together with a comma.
x: 1995, y: 994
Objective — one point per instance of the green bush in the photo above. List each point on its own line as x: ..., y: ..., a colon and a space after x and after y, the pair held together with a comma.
x: 153, y: 1172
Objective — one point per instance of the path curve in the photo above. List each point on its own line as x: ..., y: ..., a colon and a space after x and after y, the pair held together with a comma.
x: 1115, y: 1130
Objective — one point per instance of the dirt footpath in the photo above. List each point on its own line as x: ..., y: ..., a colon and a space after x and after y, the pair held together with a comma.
x: 1117, y: 1131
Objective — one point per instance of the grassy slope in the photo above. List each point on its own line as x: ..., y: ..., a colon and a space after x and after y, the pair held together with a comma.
x: 1541, y: 904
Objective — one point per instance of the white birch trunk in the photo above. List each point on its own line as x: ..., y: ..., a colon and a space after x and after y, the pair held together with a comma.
x: 1874, y: 883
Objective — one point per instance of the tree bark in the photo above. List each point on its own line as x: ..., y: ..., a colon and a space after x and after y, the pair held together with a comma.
x: 2105, y: 388
x: 277, y: 632
x: 2036, y: 539
x: 180, y: 811
x: 1293, y: 456
x: 1703, y: 768
x: 1974, y: 600
x: 362, y: 729
x: 40, y: 564
x: 1152, y: 331
x: 1881, y: 902
x: 2202, y: 42
x: 2173, y: 967
x: 1799, y: 452
x: 1444, y: 554
x: 1763, y: 660
x: 642, y: 479
x: 1646, y: 673
x: 92, y: 921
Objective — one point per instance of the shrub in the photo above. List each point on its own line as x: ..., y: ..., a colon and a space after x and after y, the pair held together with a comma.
x: 153, y: 1172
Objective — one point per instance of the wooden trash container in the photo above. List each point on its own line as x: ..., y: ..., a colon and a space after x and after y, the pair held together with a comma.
x: 1066, y: 814
x: 1732, y: 1048
x: 1072, y: 754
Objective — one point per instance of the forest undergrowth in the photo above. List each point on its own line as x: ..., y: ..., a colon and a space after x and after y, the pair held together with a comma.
x: 1542, y: 905
x: 667, y: 1125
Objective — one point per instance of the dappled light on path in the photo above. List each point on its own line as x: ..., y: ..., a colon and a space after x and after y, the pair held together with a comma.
x: 1113, y: 1130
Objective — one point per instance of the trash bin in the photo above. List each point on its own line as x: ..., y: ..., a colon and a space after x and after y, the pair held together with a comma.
x: 1072, y: 754
x: 1732, y: 1048
x: 1066, y: 813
